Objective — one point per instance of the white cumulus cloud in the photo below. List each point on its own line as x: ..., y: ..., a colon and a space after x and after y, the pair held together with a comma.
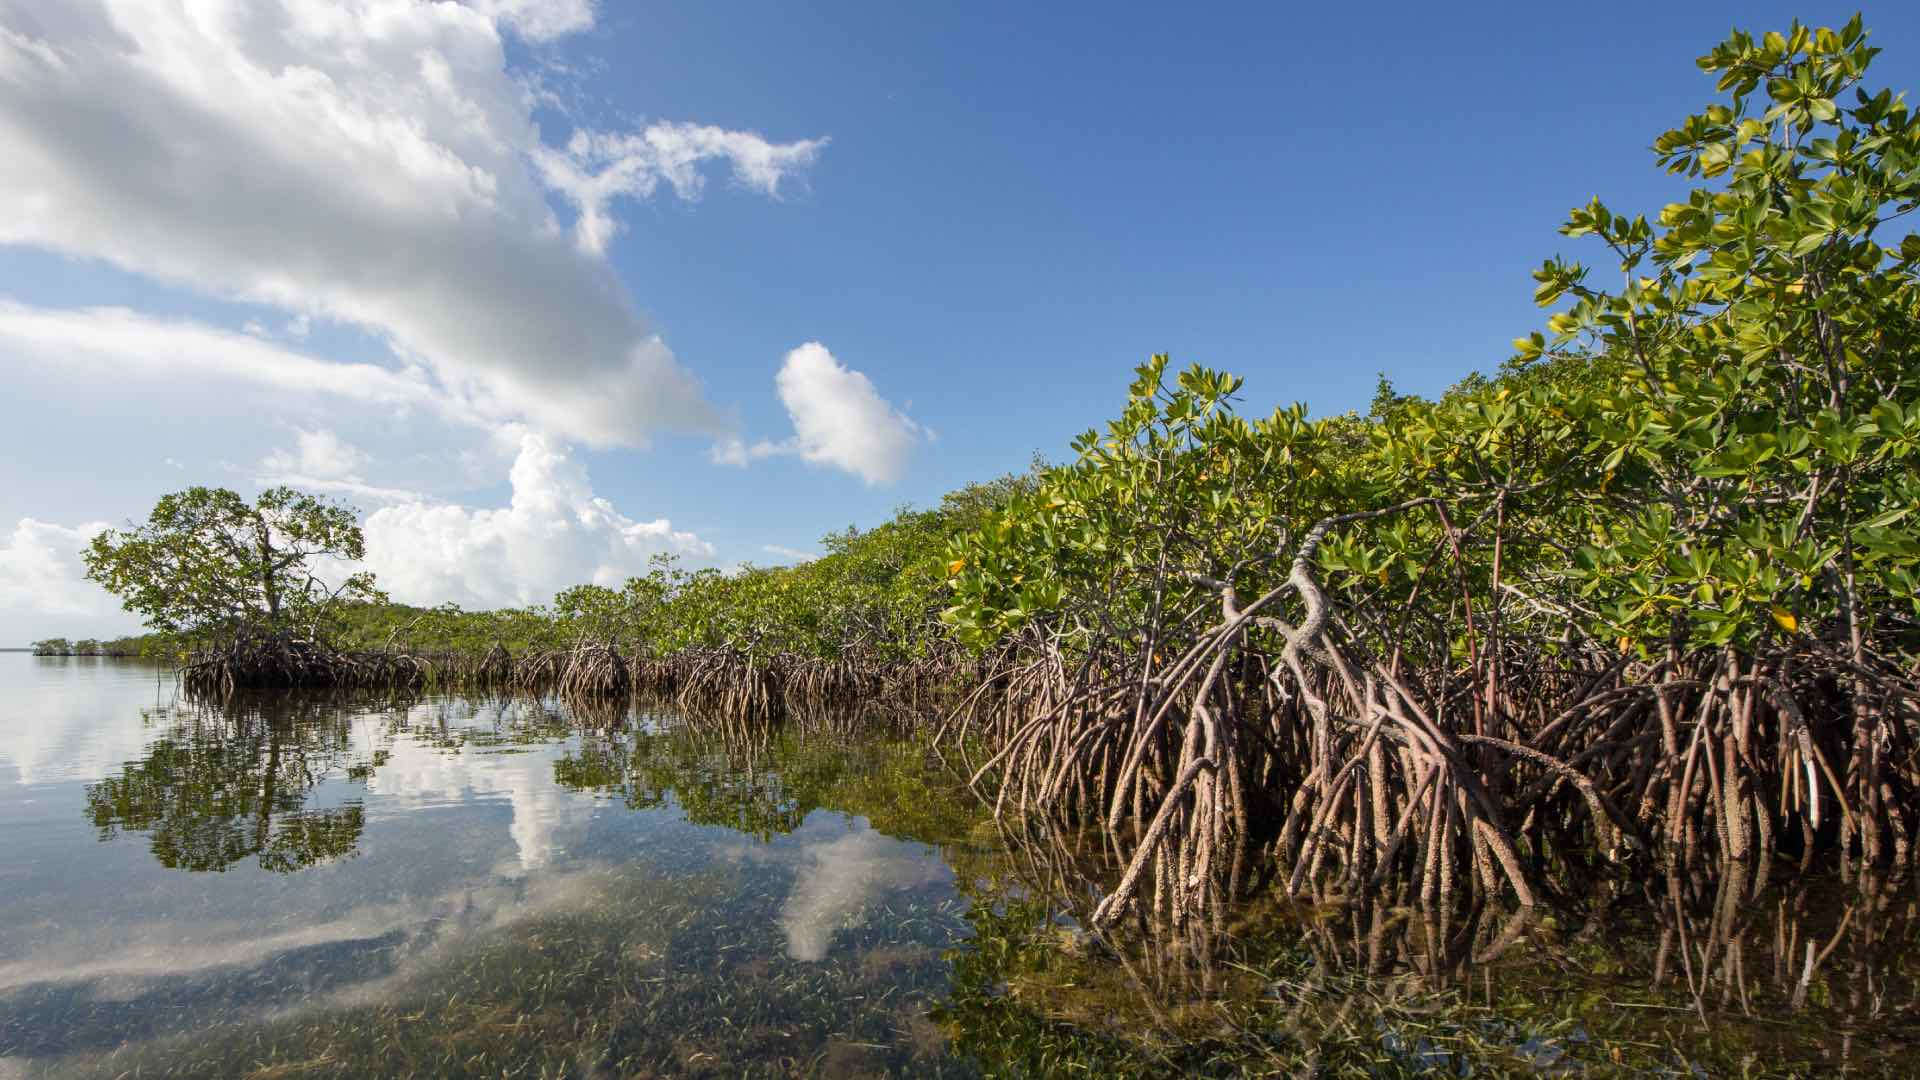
x: 839, y: 419
x: 41, y: 571
x: 370, y: 167
x: 318, y: 452
x: 363, y: 161
x: 320, y: 460
x: 43, y: 587
x: 554, y: 533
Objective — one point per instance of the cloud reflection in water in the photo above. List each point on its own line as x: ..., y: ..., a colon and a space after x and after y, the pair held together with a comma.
x: 841, y: 865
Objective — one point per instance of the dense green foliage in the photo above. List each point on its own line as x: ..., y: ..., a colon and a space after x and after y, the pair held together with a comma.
x: 875, y: 596
x: 208, y: 565
x: 1721, y: 450
x: 1651, y: 586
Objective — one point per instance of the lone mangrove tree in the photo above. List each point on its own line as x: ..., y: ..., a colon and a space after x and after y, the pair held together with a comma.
x: 209, y: 566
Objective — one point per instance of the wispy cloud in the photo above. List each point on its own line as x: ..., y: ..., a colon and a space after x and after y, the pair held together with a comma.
x: 368, y: 163
x: 317, y: 452
x: 539, y: 20
x: 597, y: 167
x: 120, y: 342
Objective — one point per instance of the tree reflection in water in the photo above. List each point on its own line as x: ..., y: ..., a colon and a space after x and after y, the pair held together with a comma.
x: 799, y: 921
x: 1711, y: 975
x: 230, y: 781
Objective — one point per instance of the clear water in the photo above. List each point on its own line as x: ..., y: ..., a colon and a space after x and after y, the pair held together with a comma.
x: 295, y: 886
x: 482, y: 885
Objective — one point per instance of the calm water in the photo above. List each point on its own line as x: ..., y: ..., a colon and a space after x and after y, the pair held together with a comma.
x: 292, y: 886
x: 479, y: 885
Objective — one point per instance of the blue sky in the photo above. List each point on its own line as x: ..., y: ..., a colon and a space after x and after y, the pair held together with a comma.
x: 984, y: 215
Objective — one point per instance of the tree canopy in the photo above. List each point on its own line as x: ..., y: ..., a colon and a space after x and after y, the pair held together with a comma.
x: 209, y: 564
x: 1717, y: 450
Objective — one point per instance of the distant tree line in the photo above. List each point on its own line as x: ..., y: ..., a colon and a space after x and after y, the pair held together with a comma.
x: 131, y: 645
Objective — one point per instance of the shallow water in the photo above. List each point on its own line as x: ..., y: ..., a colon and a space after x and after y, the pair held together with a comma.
x: 292, y: 886
x: 178, y: 882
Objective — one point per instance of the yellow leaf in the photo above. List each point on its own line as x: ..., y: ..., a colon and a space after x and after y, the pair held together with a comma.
x: 956, y: 566
x: 1626, y: 643
x: 1785, y: 620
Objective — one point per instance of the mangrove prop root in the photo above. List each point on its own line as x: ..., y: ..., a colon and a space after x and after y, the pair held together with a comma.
x: 1288, y: 743
x: 1322, y: 754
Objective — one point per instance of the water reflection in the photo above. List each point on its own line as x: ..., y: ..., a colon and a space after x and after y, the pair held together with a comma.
x: 454, y: 886
x: 840, y: 869
x: 51, y: 713
x: 232, y: 781
x: 433, y: 886
x: 1677, y: 976
x: 450, y: 754
x: 767, y: 786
